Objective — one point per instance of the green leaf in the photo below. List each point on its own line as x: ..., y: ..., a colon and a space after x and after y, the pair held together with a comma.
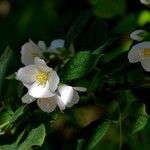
x: 137, y: 118
x: 17, y: 114
x: 8, y: 147
x: 5, y: 117
x: 80, y: 145
x: 79, y: 65
x: 98, y: 134
x: 108, y: 8
x: 100, y: 49
x: 140, y: 119
x: 77, y: 27
x: 4, y: 62
x: 35, y: 137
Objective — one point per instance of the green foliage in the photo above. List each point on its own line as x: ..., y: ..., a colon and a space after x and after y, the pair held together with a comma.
x: 109, y: 8
x: 79, y: 65
x: 35, y: 137
x: 5, y: 59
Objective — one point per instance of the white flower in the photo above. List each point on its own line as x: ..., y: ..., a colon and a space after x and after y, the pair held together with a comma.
x: 138, y: 35
x: 66, y: 96
x: 55, y: 45
x: 40, y: 80
x: 145, y: 2
x: 29, y: 51
x: 140, y: 52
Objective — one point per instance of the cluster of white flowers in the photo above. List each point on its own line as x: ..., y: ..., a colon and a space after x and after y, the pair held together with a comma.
x: 140, y: 52
x: 43, y: 82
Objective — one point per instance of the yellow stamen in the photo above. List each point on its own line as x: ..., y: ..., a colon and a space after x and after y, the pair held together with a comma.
x: 42, y: 77
x: 35, y: 54
x: 146, y: 52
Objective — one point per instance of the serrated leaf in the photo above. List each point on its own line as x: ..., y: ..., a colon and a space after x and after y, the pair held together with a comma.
x: 4, y: 62
x: 35, y: 137
x: 17, y: 114
x: 98, y: 134
x: 79, y: 65
x: 108, y: 8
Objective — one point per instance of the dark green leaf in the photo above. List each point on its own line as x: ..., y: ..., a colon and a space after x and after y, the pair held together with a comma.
x: 17, y: 113
x: 77, y: 27
x: 98, y: 134
x: 4, y: 62
x: 79, y: 65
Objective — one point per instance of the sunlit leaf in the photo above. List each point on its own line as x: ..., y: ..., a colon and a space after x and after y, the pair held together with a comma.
x: 79, y: 65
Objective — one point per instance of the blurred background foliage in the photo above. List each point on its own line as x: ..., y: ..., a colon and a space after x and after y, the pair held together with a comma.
x: 114, y: 112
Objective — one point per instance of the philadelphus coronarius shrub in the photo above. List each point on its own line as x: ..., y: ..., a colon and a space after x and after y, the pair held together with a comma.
x: 43, y: 82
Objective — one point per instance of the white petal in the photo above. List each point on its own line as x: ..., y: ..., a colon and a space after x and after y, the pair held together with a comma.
x: 53, y: 81
x: 58, y: 43
x: 74, y: 100
x: 134, y: 54
x: 135, y: 35
x: 27, y: 74
x: 28, y: 51
x: 41, y: 65
x: 66, y: 93
x: 42, y: 45
x: 80, y: 89
x: 39, y: 91
x: 146, y: 2
x: 146, y: 63
x: 48, y: 104
x: 27, y: 99
x: 60, y: 103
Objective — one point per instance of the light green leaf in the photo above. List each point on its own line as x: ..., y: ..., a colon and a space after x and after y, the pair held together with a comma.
x: 79, y: 65
x: 108, y: 8
x: 5, y: 117
x: 17, y: 113
x: 98, y: 134
x: 8, y: 147
x: 4, y: 62
x: 12, y: 76
x: 35, y: 137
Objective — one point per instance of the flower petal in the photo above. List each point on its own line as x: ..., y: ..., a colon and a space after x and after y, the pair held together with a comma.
x: 146, y: 63
x: 58, y: 43
x: 80, y: 89
x: 53, y: 81
x: 28, y: 51
x: 42, y: 45
x: 48, y: 104
x: 27, y: 74
x: 60, y: 103
x: 27, y: 99
x: 41, y: 65
x: 74, y: 100
x: 136, y: 35
x: 39, y: 91
x: 134, y: 54
x: 66, y: 93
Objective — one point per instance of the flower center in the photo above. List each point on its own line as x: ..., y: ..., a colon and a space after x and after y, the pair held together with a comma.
x: 146, y: 52
x: 35, y: 54
x: 42, y: 77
